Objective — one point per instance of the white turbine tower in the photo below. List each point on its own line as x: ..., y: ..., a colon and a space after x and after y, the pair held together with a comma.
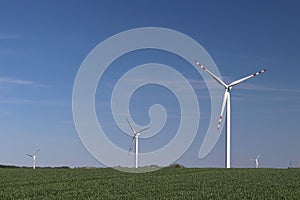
x: 256, y: 161
x: 34, y: 156
x: 226, y: 101
x: 136, y: 138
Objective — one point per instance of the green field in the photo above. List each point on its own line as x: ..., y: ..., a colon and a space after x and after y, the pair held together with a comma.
x: 167, y: 183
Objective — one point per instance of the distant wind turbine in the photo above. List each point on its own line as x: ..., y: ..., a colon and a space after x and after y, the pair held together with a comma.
x: 136, y: 138
x: 291, y: 164
x: 256, y: 161
x: 33, y: 156
x: 226, y: 101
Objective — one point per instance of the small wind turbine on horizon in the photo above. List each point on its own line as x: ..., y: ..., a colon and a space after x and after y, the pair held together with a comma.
x: 33, y: 156
x: 136, y: 138
x: 226, y: 101
x: 291, y: 164
x: 256, y: 161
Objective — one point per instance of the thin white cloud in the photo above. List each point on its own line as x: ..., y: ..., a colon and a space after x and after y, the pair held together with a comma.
x: 12, y: 100
x: 4, y: 36
x: 247, y: 86
x: 16, y: 101
x: 15, y: 81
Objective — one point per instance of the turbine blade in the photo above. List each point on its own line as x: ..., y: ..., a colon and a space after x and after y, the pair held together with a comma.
x: 133, y: 138
x: 29, y: 155
x: 211, y: 74
x: 132, y: 129
x: 258, y: 156
x: 142, y: 130
x: 36, y: 151
x: 223, y: 108
x: 246, y: 78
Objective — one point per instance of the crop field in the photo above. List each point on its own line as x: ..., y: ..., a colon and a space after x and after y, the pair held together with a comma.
x: 167, y: 183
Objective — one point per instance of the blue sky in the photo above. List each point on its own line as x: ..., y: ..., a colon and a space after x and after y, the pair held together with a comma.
x: 43, y: 43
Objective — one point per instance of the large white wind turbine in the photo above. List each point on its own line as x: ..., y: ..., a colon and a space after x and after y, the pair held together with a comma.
x: 33, y: 156
x: 256, y: 161
x: 136, y: 138
x: 226, y: 101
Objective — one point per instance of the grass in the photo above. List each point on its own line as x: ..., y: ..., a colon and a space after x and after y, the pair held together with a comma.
x: 167, y: 183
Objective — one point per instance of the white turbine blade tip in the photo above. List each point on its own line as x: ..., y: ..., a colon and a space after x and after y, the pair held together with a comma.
x: 260, y: 72
x: 223, y: 108
x: 246, y: 78
x: 133, y: 138
x: 212, y: 75
x: 199, y: 64
x: 219, y: 122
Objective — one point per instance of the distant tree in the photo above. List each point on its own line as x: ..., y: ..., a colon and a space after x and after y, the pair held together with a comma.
x: 8, y: 166
x: 176, y: 165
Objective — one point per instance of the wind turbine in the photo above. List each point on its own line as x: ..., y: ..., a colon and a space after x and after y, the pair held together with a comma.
x: 136, y: 138
x: 291, y: 164
x: 33, y: 158
x: 226, y: 101
x: 256, y: 161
